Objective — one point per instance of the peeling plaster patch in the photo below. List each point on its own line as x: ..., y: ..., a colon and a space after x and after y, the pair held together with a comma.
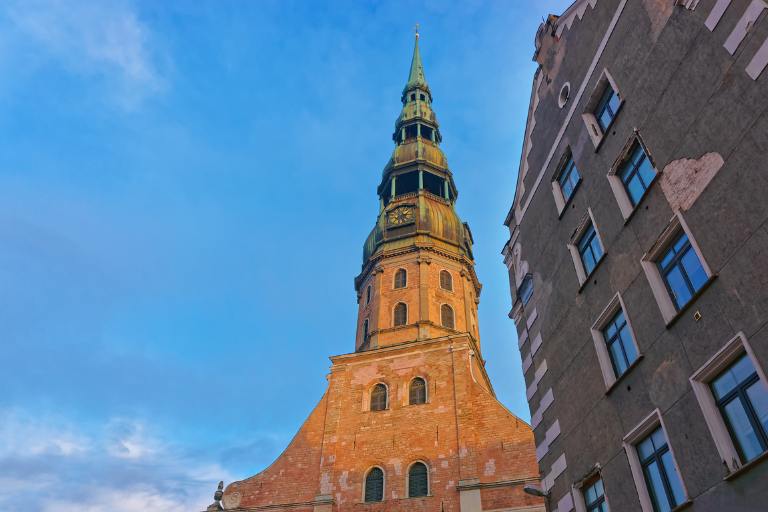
x: 449, y: 485
x: 659, y: 12
x: 325, y: 483
x: 398, y: 466
x: 463, y: 452
x: 365, y: 374
x: 343, y: 481
x: 444, y: 464
x: 683, y: 181
x: 490, y: 467
x: 408, y: 362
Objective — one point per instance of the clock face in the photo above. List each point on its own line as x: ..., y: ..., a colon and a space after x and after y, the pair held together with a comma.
x: 400, y: 215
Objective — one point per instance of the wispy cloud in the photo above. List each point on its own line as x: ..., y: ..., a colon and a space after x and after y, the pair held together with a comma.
x: 120, y: 465
x: 107, y: 40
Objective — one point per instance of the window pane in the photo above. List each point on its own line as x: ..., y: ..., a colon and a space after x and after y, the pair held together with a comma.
x: 374, y: 485
x: 590, y: 495
x: 724, y: 384
x: 673, y: 478
x: 417, y: 480
x: 656, y: 488
x: 693, y: 268
x: 589, y: 262
x: 758, y: 396
x: 679, y: 287
x: 617, y: 356
x: 596, y: 248
x: 645, y: 448
x: 605, y: 119
x: 742, y: 429
x: 646, y: 172
x: 635, y: 190
x: 614, y: 102
x: 629, y: 347
x: 659, y: 439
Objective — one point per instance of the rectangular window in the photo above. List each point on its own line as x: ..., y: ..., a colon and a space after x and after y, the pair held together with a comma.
x: 590, y: 249
x: 607, y: 108
x: 594, y: 497
x: 664, y: 485
x: 525, y: 292
x: 636, y: 174
x: 682, y: 271
x: 569, y: 179
x: 621, y: 347
x: 743, y: 402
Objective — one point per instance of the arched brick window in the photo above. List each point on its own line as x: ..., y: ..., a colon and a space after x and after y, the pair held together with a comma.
x: 418, y: 480
x: 374, y: 485
x: 368, y: 295
x: 417, y: 392
x: 446, y: 316
x: 379, y: 397
x: 400, y: 314
x: 446, y: 280
x: 365, y: 330
x: 401, y: 278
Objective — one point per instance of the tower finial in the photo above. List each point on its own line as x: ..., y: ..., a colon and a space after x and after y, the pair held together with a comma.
x: 416, y: 29
x: 416, y: 76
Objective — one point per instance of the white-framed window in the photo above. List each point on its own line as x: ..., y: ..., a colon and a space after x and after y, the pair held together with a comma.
x: 675, y: 268
x: 565, y: 181
x: 654, y: 469
x: 373, y: 487
x: 732, y: 392
x: 586, y: 247
x: 631, y: 175
x: 603, y: 106
x: 615, y: 341
x: 400, y: 314
x: 590, y: 497
x: 417, y: 483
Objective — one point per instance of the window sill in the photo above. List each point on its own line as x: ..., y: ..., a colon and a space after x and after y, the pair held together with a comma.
x: 682, y: 506
x: 746, y: 467
x: 691, y: 302
x: 618, y: 381
x: 561, y: 213
x: 594, y: 270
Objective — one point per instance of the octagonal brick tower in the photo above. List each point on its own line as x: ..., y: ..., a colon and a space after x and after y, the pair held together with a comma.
x: 419, y: 254
x: 409, y: 420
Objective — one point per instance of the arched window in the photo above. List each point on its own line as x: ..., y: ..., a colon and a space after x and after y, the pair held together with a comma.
x: 401, y: 314
x: 446, y: 280
x: 365, y: 330
x: 417, y: 393
x: 418, y: 481
x: 379, y: 397
x: 401, y: 278
x: 446, y: 316
x: 368, y: 295
x: 374, y: 485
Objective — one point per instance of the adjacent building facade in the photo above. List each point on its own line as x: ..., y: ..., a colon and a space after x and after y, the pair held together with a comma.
x: 409, y: 421
x: 638, y: 257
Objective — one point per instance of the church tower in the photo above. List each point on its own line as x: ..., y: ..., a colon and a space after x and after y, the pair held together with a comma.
x: 409, y: 421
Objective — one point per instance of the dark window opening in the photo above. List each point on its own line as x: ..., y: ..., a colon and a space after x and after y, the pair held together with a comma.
x: 422, y: 97
x: 379, y: 397
x: 418, y: 482
x: 426, y: 132
x: 525, y: 291
x: 446, y: 316
x: 417, y: 393
x: 411, y: 132
x: 446, y: 280
x: 607, y: 108
x: 401, y: 278
x: 401, y: 315
x: 413, y: 97
x: 434, y: 184
x: 407, y: 183
x: 374, y: 485
x: 365, y: 330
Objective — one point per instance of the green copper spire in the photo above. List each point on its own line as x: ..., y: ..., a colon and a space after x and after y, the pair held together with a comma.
x: 416, y: 79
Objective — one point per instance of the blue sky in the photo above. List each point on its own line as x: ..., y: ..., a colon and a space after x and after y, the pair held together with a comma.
x: 185, y: 188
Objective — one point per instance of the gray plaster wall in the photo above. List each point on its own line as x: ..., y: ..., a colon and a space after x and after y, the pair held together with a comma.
x: 687, y: 96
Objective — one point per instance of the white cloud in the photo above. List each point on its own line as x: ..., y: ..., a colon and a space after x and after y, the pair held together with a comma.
x: 52, y: 463
x: 93, y: 38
